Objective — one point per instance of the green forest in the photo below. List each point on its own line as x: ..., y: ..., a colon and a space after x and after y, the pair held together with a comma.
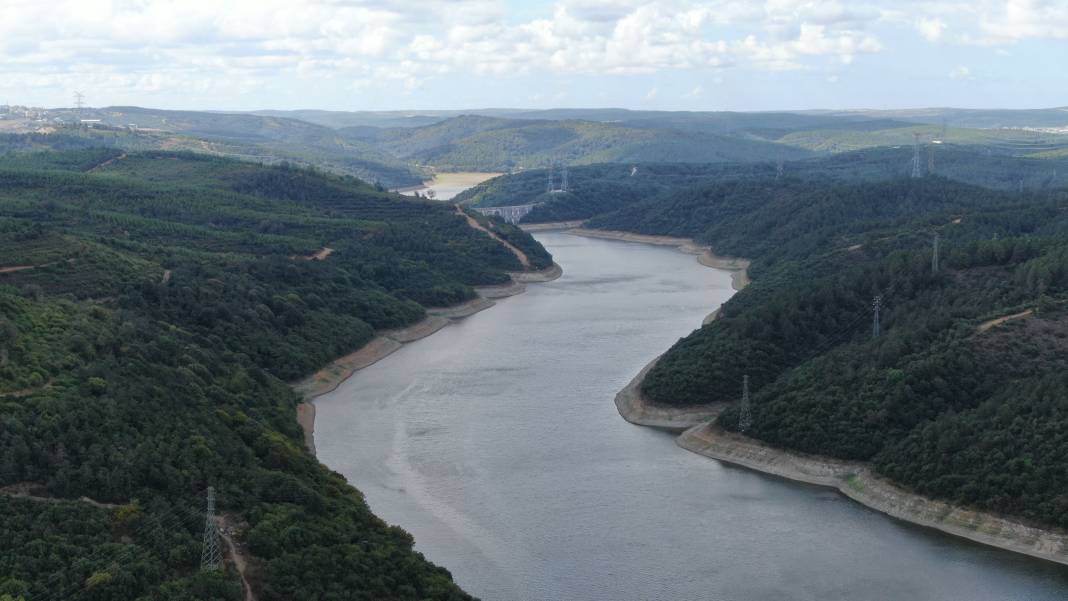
x: 596, y: 190
x: 153, y: 308
x: 941, y: 399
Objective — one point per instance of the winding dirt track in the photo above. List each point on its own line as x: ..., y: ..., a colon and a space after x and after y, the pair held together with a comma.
x: 986, y: 325
x: 478, y: 226
x: 107, y: 162
x: 320, y: 254
x: 14, y: 268
x: 22, y: 490
x: 235, y: 554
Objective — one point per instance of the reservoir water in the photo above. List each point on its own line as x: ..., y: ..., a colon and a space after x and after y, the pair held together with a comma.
x: 496, y: 443
x: 447, y: 185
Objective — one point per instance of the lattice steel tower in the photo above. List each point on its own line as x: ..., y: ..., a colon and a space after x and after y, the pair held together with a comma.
x: 745, y: 410
x: 916, y: 172
x: 876, y: 307
x: 210, y: 557
x: 934, y: 256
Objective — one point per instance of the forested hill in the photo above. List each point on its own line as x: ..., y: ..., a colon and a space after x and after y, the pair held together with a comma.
x: 962, y: 395
x: 598, y: 189
x: 243, y: 137
x: 479, y: 143
x: 152, y: 308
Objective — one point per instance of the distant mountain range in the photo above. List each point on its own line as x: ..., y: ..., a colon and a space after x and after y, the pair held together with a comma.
x: 402, y: 148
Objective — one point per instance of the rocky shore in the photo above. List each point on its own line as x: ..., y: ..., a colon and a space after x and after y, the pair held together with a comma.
x: 856, y: 481
x: 640, y: 411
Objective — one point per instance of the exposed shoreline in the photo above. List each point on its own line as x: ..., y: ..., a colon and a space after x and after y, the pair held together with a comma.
x: 855, y: 480
x: 738, y: 266
x: 551, y: 225
x: 631, y: 404
x: 639, y: 411
x: 387, y: 342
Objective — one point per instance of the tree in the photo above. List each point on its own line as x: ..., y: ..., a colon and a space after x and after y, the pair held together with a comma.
x: 8, y: 335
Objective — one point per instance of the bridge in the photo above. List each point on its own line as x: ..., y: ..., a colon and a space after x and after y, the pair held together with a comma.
x: 510, y: 214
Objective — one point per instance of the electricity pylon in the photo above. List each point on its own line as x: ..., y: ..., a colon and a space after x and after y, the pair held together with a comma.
x: 210, y: 557
x: 745, y: 411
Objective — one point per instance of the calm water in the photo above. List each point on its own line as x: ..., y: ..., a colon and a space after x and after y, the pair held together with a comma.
x: 496, y: 443
x: 448, y: 185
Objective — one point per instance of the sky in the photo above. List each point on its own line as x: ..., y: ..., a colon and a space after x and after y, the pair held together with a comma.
x: 455, y: 54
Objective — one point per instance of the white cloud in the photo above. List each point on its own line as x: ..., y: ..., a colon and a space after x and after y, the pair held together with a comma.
x: 161, y: 46
x: 1022, y: 19
x: 931, y: 28
x: 413, y: 39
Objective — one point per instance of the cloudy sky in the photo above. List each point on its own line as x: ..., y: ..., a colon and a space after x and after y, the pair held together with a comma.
x: 417, y: 54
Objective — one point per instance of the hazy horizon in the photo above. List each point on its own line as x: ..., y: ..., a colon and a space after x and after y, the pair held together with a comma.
x: 525, y: 109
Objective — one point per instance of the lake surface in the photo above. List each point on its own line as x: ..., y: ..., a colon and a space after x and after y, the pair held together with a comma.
x: 496, y: 443
x: 448, y: 185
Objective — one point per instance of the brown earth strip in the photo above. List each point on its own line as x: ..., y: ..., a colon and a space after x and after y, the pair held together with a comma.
x: 478, y: 226
x: 986, y: 325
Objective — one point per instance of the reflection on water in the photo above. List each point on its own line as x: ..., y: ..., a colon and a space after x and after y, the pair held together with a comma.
x: 497, y: 444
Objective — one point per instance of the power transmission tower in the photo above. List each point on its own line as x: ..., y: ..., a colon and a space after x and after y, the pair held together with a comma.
x: 916, y: 155
x: 549, y: 186
x: 745, y: 410
x: 210, y: 558
x: 876, y: 306
x: 563, y: 179
x: 934, y: 257
x: 79, y: 103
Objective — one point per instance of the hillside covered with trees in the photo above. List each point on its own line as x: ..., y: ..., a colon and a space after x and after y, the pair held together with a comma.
x: 476, y: 143
x: 599, y: 189
x: 153, y: 308
x: 960, y: 394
